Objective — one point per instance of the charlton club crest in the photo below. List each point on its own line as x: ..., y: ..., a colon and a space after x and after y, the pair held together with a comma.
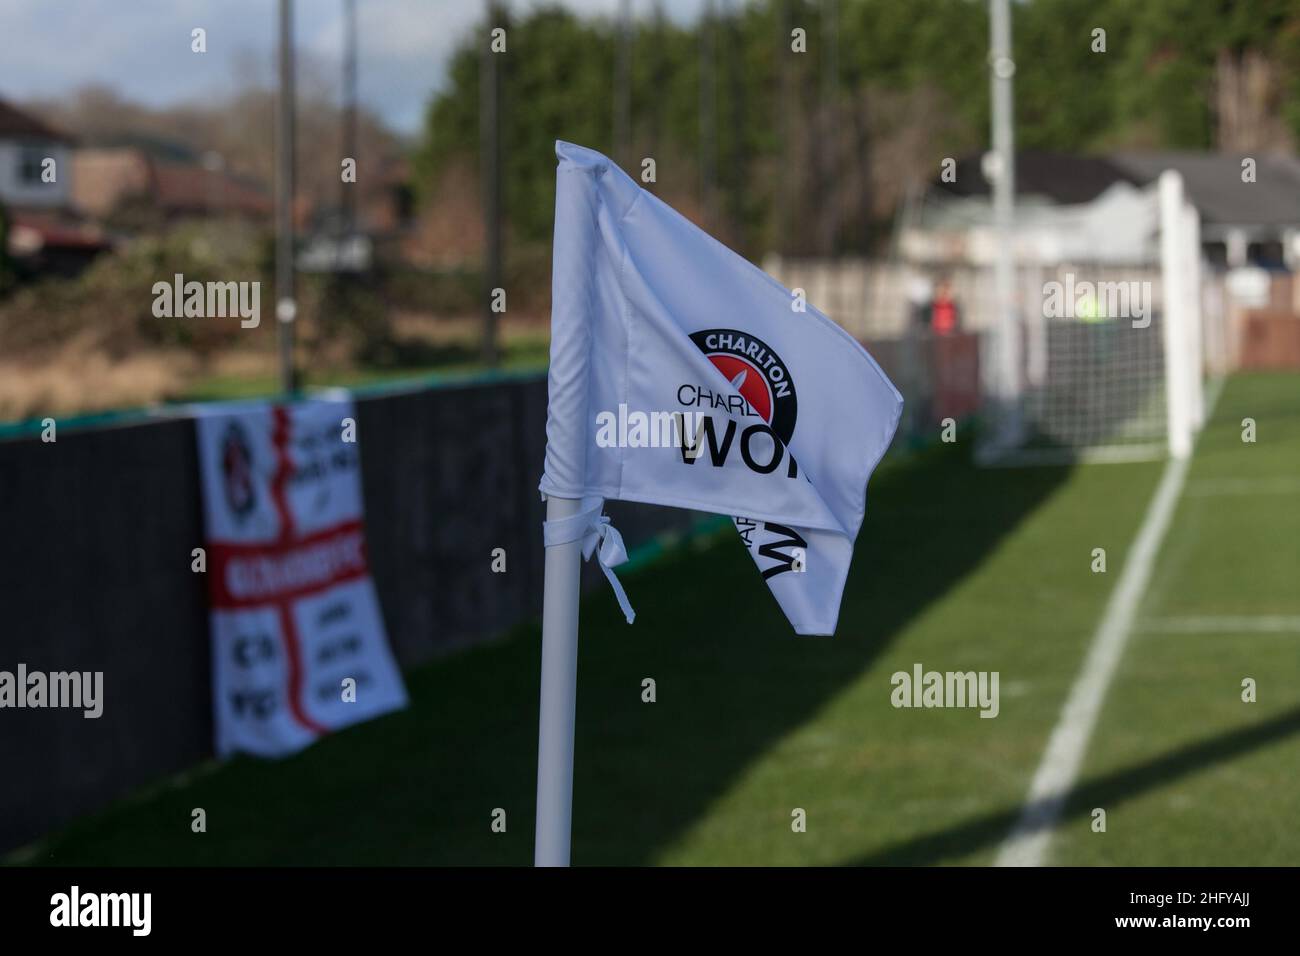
x: 237, y: 471
x: 756, y: 372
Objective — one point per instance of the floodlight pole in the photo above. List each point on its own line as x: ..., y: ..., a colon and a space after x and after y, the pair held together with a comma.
x: 785, y: 199
x: 490, y: 167
x: 623, y: 87
x: 708, y: 114
x: 286, y: 306
x: 347, y: 194
x: 828, y: 165
x: 1002, y: 68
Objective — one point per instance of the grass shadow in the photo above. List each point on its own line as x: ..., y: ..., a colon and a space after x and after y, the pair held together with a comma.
x: 736, y: 678
x: 1109, y: 790
x: 422, y: 786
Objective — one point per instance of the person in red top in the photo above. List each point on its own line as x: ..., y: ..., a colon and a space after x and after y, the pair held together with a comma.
x: 944, y: 315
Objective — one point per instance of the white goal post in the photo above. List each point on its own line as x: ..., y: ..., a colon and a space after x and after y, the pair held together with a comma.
x: 1180, y: 268
x: 1112, y: 348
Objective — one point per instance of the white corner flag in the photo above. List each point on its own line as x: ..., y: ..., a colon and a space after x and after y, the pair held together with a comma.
x: 683, y: 375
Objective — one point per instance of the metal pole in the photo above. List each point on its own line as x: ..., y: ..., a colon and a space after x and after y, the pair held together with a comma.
x: 286, y: 306
x: 708, y: 117
x: 786, y: 188
x: 623, y: 87
x: 660, y: 73
x: 1001, y: 70
x: 738, y: 154
x: 829, y: 208
x: 490, y: 151
x: 559, y: 694
x: 347, y: 196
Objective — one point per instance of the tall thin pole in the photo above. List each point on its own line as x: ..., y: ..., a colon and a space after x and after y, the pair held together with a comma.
x: 286, y: 306
x: 1001, y: 70
x: 829, y: 212
x: 348, y: 203
x: 862, y: 157
x: 708, y: 114
x: 559, y: 693
x: 785, y: 218
x: 490, y: 162
x: 623, y: 87
x: 660, y: 74
x: 738, y: 154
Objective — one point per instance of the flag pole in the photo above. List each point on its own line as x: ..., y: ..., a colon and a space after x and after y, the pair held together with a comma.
x: 286, y: 303
x: 559, y: 692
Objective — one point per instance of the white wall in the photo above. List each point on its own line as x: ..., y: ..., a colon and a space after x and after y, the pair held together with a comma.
x: 869, y: 297
x: 15, y: 192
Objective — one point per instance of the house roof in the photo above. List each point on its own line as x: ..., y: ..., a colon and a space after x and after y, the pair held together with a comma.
x: 157, y: 147
x: 1062, y: 178
x: 15, y: 124
x: 181, y: 186
x: 1214, y: 185
x: 1213, y: 181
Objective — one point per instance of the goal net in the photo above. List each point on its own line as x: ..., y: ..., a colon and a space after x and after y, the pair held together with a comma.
x: 1105, y: 360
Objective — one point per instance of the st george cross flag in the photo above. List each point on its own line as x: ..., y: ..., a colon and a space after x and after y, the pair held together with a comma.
x: 298, y: 642
x: 682, y: 375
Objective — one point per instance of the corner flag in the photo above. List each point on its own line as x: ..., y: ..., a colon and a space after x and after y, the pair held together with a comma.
x: 682, y: 375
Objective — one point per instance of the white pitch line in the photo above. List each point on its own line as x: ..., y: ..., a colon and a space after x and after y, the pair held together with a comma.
x: 1249, y: 624
x: 1209, y: 487
x: 1026, y: 845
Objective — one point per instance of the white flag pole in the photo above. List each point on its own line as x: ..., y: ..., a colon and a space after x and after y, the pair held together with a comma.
x: 559, y: 692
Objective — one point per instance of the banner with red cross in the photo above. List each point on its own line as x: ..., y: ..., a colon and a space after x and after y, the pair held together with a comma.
x: 298, y: 641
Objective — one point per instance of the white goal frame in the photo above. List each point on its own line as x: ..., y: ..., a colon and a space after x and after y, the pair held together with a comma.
x: 1184, y: 334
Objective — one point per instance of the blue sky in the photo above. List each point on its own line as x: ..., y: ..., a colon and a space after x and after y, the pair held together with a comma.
x: 142, y: 47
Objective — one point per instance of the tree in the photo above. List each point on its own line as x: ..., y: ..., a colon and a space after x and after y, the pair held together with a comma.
x: 911, y: 88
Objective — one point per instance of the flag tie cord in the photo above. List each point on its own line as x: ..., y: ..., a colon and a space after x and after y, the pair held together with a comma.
x: 598, y: 537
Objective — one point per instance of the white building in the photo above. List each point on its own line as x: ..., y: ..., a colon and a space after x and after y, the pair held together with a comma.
x: 1090, y: 207
x: 35, y: 162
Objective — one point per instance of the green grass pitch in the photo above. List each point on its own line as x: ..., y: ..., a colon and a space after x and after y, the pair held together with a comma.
x: 957, y: 568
